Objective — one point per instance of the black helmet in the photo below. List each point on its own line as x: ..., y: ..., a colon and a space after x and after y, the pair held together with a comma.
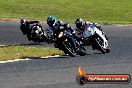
x: 51, y: 20
x: 66, y: 25
x: 79, y: 23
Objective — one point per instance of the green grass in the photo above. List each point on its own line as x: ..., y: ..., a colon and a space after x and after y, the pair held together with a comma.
x: 17, y: 52
x: 102, y: 11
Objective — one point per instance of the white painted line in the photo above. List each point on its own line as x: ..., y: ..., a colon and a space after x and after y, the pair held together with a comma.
x: 51, y: 56
x: 2, y: 45
x: 124, y: 25
x: 8, y: 61
x: 16, y: 60
x: 121, y: 25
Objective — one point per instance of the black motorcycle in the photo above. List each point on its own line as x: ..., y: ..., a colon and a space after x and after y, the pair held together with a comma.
x: 37, y: 34
x: 64, y: 42
x: 33, y: 30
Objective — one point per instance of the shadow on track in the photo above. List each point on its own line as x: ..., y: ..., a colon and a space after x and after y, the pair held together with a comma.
x: 51, y: 57
x: 48, y: 57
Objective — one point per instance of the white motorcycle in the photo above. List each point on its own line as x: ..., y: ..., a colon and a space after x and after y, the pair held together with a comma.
x: 95, y: 37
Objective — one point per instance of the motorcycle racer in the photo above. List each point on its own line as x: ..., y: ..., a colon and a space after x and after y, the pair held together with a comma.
x: 56, y: 26
x: 26, y: 28
x: 83, y: 30
x: 83, y: 25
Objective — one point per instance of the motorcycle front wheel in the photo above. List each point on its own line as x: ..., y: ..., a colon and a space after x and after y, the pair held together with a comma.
x: 99, y: 46
x: 68, y: 48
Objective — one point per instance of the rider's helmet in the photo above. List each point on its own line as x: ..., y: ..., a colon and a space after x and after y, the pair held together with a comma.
x: 23, y: 21
x: 51, y: 20
x: 66, y: 26
x: 78, y: 23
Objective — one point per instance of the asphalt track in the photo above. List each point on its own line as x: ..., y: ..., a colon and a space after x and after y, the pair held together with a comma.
x: 61, y: 72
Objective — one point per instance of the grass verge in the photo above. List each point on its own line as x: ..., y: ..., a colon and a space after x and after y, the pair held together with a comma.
x: 18, y: 52
x: 101, y: 11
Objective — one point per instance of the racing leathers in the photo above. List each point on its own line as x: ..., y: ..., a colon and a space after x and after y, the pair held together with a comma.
x: 26, y: 28
x: 85, y: 32
x: 81, y: 33
x: 56, y: 28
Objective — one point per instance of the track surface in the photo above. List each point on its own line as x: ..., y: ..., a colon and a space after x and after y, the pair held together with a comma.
x: 61, y: 72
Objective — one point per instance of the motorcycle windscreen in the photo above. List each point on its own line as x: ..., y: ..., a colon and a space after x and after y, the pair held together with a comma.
x: 88, y: 32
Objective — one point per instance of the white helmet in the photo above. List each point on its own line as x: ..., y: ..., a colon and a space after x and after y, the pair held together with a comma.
x: 23, y: 21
